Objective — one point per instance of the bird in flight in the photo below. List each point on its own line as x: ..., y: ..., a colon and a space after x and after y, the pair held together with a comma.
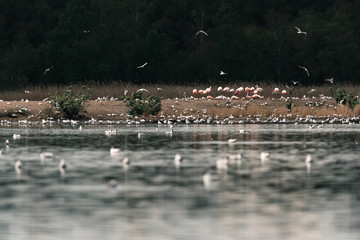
x: 142, y: 90
x: 47, y: 70
x: 295, y: 82
x: 142, y: 66
x: 299, y: 31
x: 28, y: 92
x: 330, y: 80
x: 307, y: 72
x: 201, y: 31
x: 222, y: 73
x: 312, y: 90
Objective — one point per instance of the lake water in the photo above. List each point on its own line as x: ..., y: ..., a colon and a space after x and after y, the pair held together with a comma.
x: 279, y: 198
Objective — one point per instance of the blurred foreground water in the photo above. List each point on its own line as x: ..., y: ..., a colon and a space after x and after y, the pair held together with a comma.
x: 280, y: 198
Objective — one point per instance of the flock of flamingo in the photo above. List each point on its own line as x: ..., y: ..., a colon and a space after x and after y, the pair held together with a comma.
x: 239, y: 93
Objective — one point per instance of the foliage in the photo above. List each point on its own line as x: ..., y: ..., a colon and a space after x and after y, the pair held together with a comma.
x: 106, y: 40
x: 352, y: 101
x: 341, y: 96
x: 289, y: 104
x: 70, y: 104
x: 138, y: 106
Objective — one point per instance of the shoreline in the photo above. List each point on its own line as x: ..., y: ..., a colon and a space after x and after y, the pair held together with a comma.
x: 192, y: 111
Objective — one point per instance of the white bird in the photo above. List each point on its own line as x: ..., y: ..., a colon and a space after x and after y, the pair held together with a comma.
x: 126, y: 91
x: 7, y: 143
x: 16, y: 136
x: 143, y: 65
x: 299, y: 31
x: 295, y: 82
x: 17, y: 166
x: 126, y: 161
x: 209, y: 181
x: 46, y: 155
x: 112, y: 183
x: 80, y: 128
x: 235, y: 159
x: 264, y: 156
x: 222, y: 73
x: 28, y: 92
x: 307, y: 72
x: 142, y: 90
x: 222, y: 164
x: 330, y: 80
x: 312, y: 90
x: 62, y: 164
x: 308, y: 162
x: 201, y: 31
x: 232, y: 140
x: 159, y: 89
x: 47, y: 70
x: 110, y: 132
x: 114, y: 150
x: 177, y: 160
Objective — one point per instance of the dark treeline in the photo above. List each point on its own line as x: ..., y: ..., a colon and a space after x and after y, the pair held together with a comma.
x: 105, y: 40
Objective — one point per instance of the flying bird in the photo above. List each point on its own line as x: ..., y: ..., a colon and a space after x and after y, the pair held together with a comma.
x: 295, y: 82
x: 201, y: 31
x: 299, y: 31
x: 312, y: 90
x: 142, y: 90
x: 47, y: 70
x: 307, y: 72
x: 330, y: 80
x: 27, y: 92
x: 222, y: 73
x: 142, y: 66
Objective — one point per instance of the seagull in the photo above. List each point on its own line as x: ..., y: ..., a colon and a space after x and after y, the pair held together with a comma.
x: 46, y: 155
x: 330, y: 80
x: 232, y: 140
x: 142, y: 90
x: 299, y: 31
x: 307, y: 72
x: 201, y: 31
x: 222, y: 73
x: 18, y: 166
x: 209, y: 181
x: 27, y: 92
x: 222, y: 164
x: 308, y: 162
x: 312, y: 90
x: 177, y: 160
x: 47, y: 70
x: 16, y: 136
x: 264, y: 156
x: 112, y: 183
x: 295, y: 82
x: 142, y: 66
x: 114, y: 150
x: 126, y: 161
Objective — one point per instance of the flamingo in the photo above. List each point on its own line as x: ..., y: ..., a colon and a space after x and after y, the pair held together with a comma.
x: 220, y: 89
x: 226, y: 89
x: 195, y: 91
x: 276, y: 90
x: 283, y: 92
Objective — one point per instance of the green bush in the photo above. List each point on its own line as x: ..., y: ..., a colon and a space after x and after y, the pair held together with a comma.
x: 70, y: 104
x: 138, y: 106
x: 289, y: 104
x: 352, y: 101
x: 341, y: 96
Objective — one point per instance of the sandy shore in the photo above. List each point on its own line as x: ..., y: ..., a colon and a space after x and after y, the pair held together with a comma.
x: 259, y: 110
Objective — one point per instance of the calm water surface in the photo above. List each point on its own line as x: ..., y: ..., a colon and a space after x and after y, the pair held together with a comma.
x: 279, y: 199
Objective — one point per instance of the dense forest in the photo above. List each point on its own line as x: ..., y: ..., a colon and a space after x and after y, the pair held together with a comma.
x: 72, y: 41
